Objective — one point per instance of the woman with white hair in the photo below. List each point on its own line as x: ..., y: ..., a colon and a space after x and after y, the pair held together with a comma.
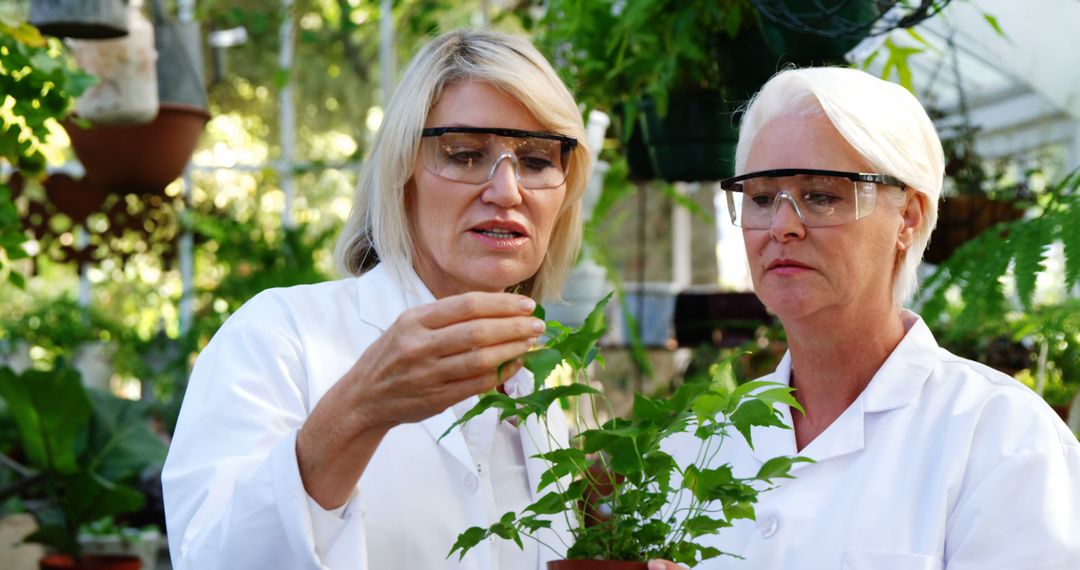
x: 310, y: 434
x: 923, y: 460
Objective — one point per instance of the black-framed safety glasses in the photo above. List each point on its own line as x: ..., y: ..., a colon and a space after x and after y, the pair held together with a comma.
x: 472, y: 154
x: 819, y: 197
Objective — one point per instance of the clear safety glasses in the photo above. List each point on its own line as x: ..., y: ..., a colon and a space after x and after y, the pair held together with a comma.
x: 472, y: 154
x: 819, y: 197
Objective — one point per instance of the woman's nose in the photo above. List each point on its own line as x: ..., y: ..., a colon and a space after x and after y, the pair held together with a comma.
x: 787, y: 222
x: 503, y: 189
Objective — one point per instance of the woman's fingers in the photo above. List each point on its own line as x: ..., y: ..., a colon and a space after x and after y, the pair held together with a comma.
x: 480, y: 362
x: 664, y: 565
x: 472, y: 306
x: 461, y: 389
x: 468, y: 336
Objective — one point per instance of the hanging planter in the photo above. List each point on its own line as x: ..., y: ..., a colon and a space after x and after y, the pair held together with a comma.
x: 817, y: 32
x: 87, y: 19
x: 179, y: 64
x: 127, y: 88
x: 139, y: 159
x: 694, y: 141
x: 961, y: 218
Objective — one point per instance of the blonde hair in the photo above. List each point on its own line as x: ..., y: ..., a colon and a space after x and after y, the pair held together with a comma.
x: 377, y: 230
x: 882, y: 121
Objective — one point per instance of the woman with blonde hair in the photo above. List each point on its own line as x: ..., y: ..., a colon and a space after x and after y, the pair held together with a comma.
x: 310, y: 433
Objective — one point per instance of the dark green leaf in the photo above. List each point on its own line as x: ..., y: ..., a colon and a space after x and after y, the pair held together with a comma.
x: 754, y: 413
x: 51, y: 410
x: 468, y: 539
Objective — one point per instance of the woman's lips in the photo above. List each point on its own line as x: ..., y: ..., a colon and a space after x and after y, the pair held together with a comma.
x: 500, y: 235
x: 787, y: 267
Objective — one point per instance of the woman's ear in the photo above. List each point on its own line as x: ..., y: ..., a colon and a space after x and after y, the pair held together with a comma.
x: 410, y: 189
x: 912, y: 217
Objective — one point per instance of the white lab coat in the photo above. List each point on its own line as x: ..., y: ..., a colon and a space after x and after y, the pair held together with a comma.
x: 941, y: 462
x: 233, y: 494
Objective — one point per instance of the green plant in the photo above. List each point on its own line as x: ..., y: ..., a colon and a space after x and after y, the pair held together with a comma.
x: 965, y: 298
x: 976, y: 270
x: 77, y: 449
x: 37, y: 84
x: 616, y: 54
x: 659, y: 508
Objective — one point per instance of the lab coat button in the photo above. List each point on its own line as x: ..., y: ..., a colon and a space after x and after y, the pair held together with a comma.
x: 768, y: 527
x: 472, y: 482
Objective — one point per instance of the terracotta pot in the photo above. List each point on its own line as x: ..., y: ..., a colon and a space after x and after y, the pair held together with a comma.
x: 595, y: 565
x: 91, y: 562
x: 139, y: 159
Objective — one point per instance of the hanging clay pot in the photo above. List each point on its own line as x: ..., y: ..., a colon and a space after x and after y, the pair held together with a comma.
x: 88, y: 19
x: 139, y: 159
x: 126, y: 69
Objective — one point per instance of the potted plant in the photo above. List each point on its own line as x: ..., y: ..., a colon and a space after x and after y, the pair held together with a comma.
x: 682, y: 67
x: 78, y: 451
x: 625, y: 497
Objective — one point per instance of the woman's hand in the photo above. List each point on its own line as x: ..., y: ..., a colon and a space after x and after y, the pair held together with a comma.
x: 664, y: 565
x: 432, y: 357
x: 436, y: 355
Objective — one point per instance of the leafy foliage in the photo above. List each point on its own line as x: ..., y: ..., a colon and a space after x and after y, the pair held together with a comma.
x: 965, y: 298
x: 37, y: 85
x: 82, y: 450
x: 617, y: 54
x: 658, y: 508
x: 977, y: 267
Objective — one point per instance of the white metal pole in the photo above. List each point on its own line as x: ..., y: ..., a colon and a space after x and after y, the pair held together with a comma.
x: 186, y: 254
x: 287, y: 113
x: 187, y: 262
x: 682, y: 238
x: 185, y: 10
x: 387, y: 54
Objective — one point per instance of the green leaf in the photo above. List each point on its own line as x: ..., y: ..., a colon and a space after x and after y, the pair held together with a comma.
x: 120, y: 443
x: 51, y: 410
x: 754, y: 413
x: 649, y: 410
x: 281, y: 78
x: 93, y: 497
x: 468, y: 539
x: 702, y: 525
x: 542, y: 363
x: 487, y: 401
x: 993, y: 21
x: 564, y: 461
x: 779, y: 467
x: 581, y: 341
x: 550, y: 504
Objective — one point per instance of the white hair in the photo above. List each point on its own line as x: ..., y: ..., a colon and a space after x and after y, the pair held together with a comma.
x: 882, y: 121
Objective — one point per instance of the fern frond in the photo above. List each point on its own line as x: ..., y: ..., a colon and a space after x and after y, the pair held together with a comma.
x: 1069, y: 234
x: 1027, y: 243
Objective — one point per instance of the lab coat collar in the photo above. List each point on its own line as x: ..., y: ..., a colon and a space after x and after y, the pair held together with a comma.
x: 896, y: 384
